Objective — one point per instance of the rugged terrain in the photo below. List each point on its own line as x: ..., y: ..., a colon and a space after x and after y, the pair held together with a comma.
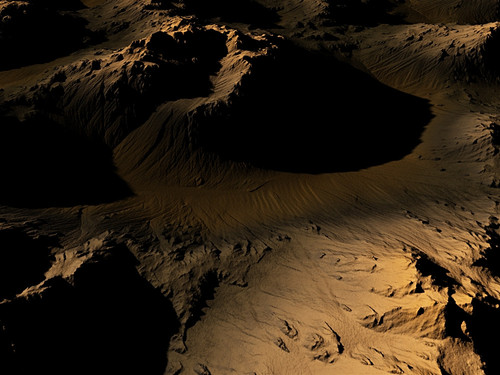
x: 249, y: 187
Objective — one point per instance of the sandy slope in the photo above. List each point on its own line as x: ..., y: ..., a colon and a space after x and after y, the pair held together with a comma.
x: 282, y: 187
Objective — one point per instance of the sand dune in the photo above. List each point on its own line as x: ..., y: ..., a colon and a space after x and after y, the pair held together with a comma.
x: 253, y: 187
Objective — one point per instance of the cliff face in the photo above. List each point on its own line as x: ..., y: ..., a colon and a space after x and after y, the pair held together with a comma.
x: 252, y: 187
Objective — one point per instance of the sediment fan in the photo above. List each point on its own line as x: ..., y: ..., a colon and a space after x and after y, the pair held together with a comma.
x: 251, y: 187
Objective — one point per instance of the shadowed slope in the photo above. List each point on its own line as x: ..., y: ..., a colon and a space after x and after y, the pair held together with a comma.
x: 245, y: 11
x: 306, y: 112
x: 106, y: 319
x: 42, y: 165
x: 24, y: 260
x: 31, y: 31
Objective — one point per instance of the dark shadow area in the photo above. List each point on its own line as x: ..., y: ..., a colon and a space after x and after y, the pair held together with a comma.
x: 489, y: 54
x: 242, y: 11
x: 308, y: 112
x: 491, y: 256
x: 364, y: 12
x: 23, y: 260
x: 39, y: 31
x: 208, y: 283
x: 43, y: 164
x: 495, y: 137
x: 62, y: 5
x: 483, y: 326
x: 427, y: 267
x: 108, y: 320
